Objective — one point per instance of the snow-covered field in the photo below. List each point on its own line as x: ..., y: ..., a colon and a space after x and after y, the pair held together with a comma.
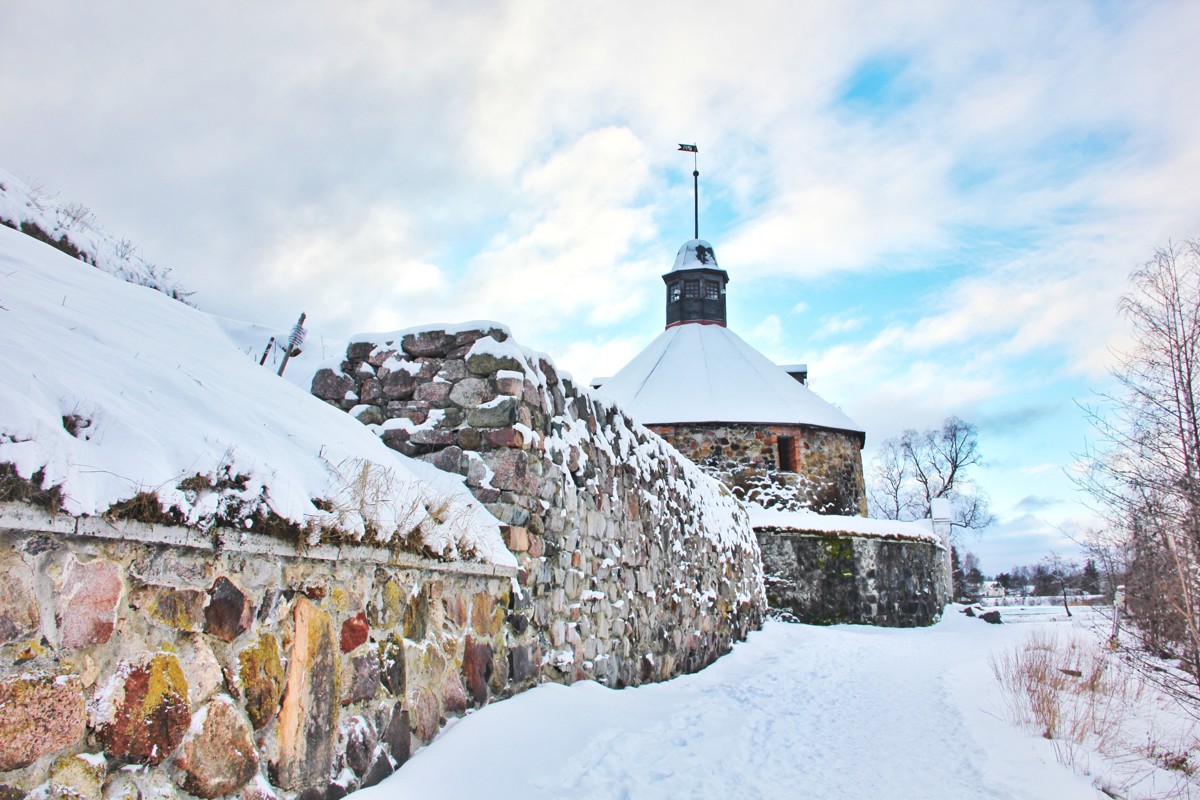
x: 796, y: 711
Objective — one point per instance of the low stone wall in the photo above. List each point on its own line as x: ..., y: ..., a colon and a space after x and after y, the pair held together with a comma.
x: 826, y: 578
x: 150, y: 661
x: 828, y: 475
x: 227, y: 663
x: 635, y: 566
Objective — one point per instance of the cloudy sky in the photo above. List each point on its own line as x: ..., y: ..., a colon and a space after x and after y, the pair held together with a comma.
x: 933, y: 204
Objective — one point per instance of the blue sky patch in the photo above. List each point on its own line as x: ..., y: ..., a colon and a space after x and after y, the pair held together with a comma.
x: 879, y: 86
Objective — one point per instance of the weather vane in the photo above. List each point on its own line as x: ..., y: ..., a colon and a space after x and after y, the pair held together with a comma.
x: 695, y: 151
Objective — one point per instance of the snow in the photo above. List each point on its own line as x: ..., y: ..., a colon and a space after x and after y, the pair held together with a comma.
x: 706, y: 373
x: 695, y: 254
x: 795, y: 711
x: 24, y: 202
x: 162, y: 393
x: 805, y: 520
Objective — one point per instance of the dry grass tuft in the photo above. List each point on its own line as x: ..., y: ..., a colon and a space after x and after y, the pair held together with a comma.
x: 1085, y: 699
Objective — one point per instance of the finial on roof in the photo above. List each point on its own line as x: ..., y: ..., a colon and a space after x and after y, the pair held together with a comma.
x: 691, y: 148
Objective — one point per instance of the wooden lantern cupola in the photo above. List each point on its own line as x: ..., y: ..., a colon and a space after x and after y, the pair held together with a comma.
x: 696, y: 286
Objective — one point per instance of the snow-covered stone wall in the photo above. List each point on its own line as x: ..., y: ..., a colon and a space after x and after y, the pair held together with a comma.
x: 826, y: 472
x: 150, y: 661
x: 635, y: 566
x: 825, y: 576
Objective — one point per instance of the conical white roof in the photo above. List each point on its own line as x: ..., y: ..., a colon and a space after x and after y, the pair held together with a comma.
x: 706, y: 373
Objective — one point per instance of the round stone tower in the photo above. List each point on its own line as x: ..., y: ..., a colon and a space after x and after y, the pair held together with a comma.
x: 727, y: 407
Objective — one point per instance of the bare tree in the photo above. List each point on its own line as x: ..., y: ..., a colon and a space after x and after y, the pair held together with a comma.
x: 910, y: 471
x: 1145, y: 471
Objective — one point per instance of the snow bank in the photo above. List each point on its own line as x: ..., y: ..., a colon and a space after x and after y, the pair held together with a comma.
x: 112, y: 390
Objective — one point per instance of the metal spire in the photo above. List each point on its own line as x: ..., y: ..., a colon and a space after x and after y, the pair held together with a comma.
x: 691, y: 148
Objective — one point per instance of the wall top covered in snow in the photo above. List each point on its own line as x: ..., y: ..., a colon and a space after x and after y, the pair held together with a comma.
x: 808, y: 521
x: 636, y: 565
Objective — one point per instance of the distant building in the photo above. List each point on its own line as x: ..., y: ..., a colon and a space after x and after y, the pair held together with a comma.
x: 727, y: 407
x: 993, y: 590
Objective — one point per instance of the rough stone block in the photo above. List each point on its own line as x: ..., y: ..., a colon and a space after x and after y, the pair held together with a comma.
x: 230, y: 613
x: 497, y: 413
x: 520, y: 663
x: 359, y: 351
x: 398, y: 734
x: 436, y: 393
x: 485, y: 363
x: 449, y: 459
x: 433, y: 437
x: 217, y: 756
x: 516, y: 537
x: 39, y: 714
x: 371, y: 392
x: 398, y: 385
x: 507, y: 437
x: 381, y: 353
x: 425, y: 714
x: 511, y: 470
x: 363, y: 678
x: 469, y: 439
x: 308, y: 717
x: 471, y: 392
x: 359, y: 737
x: 181, y: 609
x: 381, y: 769
x: 87, y: 606
x: 78, y: 777
x: 331, y: 385
x: 392, y: 665
x: 260, y: 675
x: 454, y: 699
x: 487, y: 616
x: 477, y: 667
x: 387, y: 606
x: 368, y: 414
x: 428, y: 343
x: 397, y: 439
x: 354, y: 632
x: 19, y: 615
x: 142, y: 712
x: 201, y: 668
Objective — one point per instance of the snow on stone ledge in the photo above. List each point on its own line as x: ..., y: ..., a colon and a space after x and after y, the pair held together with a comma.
x: 111, y: 390
x: 771, y: 519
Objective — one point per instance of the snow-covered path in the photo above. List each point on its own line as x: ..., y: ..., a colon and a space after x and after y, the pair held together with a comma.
x: 796, y: 711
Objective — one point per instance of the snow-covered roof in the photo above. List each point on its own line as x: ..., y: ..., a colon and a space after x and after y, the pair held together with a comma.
x: 706, y: 373
x: 811, y: 521
x: 695, y: 254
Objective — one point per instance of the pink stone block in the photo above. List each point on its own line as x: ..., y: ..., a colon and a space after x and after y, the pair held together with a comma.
x: 87, y: 606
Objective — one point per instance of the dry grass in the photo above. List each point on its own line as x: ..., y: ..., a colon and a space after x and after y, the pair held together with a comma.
x: 1085, y: 699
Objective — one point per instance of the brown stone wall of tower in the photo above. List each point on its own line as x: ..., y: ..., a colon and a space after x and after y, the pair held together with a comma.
x: 829, y: 471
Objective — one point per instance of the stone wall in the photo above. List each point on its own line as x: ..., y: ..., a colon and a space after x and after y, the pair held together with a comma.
x: 825, y: 578
x: 150, y: 661
x: 228, y: 663
x: 634, y: 565
x: 828, y: 475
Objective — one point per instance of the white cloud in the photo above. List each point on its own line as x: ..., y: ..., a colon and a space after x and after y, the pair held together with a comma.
x: 407, y: 163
